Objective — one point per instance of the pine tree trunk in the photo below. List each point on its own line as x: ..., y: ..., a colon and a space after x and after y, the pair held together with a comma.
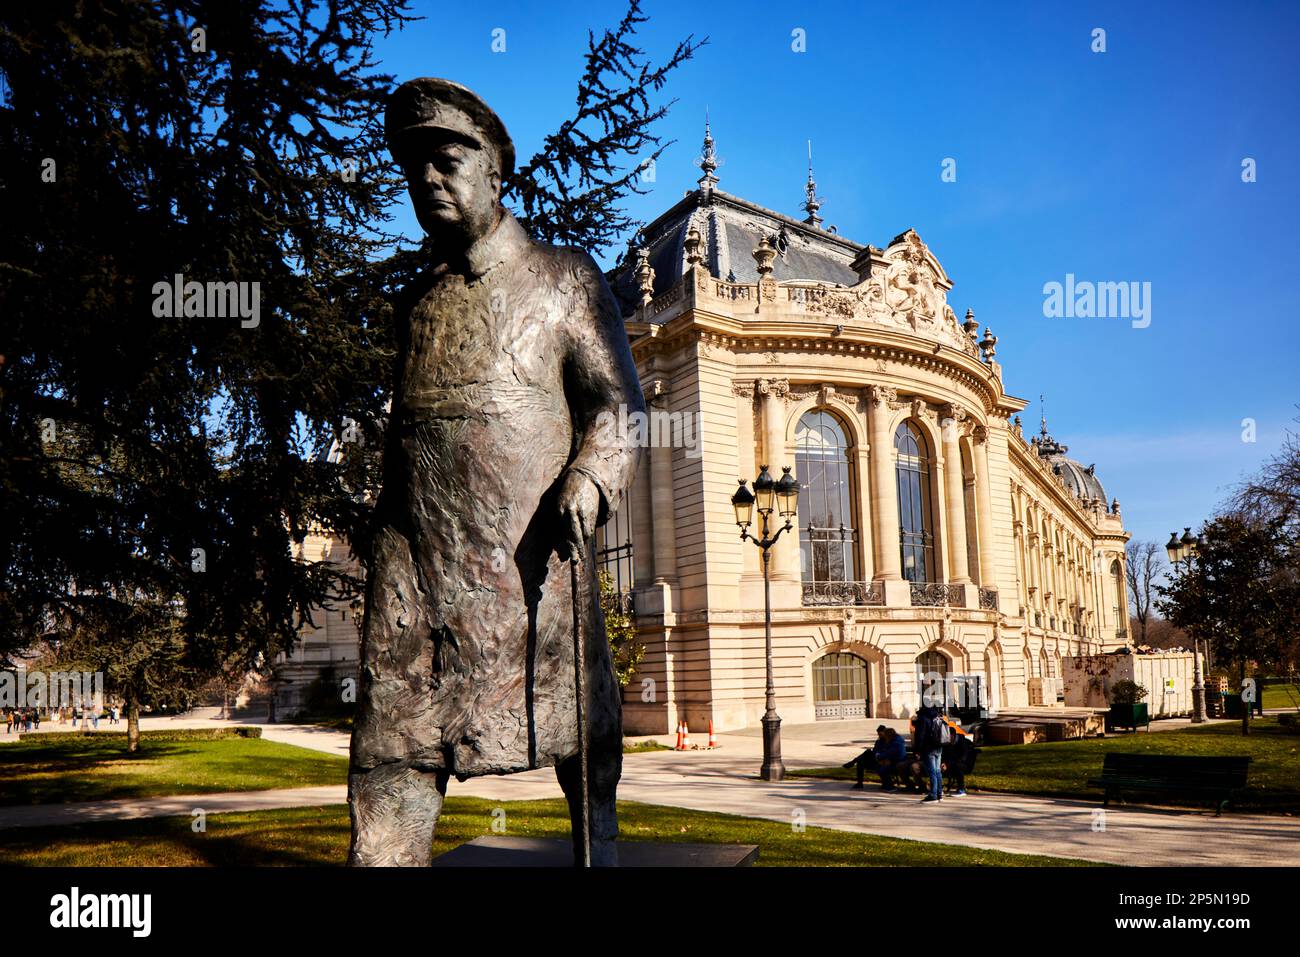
x: 132, y: 723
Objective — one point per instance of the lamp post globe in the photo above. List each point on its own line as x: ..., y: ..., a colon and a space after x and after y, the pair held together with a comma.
x: 787, y: 494
x: 743, y: 503
x: 765, y: 492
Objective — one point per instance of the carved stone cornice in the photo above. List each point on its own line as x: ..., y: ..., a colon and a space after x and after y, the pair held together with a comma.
x: 827, y: 395
x: 882, y: 395
x: 953, y: 411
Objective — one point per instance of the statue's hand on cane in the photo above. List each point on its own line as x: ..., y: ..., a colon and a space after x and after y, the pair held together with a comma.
x: 579, y: 506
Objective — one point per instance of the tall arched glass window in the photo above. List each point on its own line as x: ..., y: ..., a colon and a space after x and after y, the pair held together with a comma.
x: 1121, y: 609
x: 915, y: 531
x: 827, y: 533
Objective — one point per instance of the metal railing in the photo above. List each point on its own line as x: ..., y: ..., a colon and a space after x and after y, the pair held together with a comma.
x: 935, y: 594
x: 843, y: 593
x: 989, y: 599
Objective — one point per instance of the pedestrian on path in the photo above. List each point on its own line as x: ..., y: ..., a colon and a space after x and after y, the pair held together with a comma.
x: 929, y: 731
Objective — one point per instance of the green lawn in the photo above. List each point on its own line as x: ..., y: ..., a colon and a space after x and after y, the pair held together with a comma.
x: 319, y: 836
x: 1062, y: 768
x: 89, y: 769
x: 1281, y: 696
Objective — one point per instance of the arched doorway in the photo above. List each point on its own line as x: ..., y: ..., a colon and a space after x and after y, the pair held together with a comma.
x: 840, y: 687
x: 932, y: 668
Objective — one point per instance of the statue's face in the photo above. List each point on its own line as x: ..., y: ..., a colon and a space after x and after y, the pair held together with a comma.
x: 455, y: 185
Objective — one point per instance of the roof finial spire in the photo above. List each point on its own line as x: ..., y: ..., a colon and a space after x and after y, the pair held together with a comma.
x: 708, y: 160
x: 1042, y: 423
x: 813, y: 202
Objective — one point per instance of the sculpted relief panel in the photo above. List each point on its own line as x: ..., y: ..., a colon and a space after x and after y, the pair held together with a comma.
x: 911, y: 293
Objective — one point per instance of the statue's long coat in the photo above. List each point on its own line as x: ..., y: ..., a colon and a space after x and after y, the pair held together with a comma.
x: 506, y: 361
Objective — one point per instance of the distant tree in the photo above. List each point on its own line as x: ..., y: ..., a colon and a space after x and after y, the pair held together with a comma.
x: 139, y: 645
x: 1144, y: 567
x: 1240, y: 594
x: 1274, y: 491
x: 1165, y: 634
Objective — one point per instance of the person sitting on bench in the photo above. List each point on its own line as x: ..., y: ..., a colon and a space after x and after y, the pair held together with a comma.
x: 957, y: 762
x: 883, y: 757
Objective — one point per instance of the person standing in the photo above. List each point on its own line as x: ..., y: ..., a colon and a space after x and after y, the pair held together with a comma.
x: 927, y: 741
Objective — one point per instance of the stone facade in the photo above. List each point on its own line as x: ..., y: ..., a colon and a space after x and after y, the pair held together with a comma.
x: 751, y: 324
x: 332, y: 643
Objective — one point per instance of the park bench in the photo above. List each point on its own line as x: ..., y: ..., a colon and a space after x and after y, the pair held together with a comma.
x: 1219, y: 777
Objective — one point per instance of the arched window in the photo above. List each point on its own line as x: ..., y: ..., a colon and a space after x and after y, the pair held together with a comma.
x: 916, y: 537
x: 932, y: 676
x: 827, y: 534
x: 1121, y: 606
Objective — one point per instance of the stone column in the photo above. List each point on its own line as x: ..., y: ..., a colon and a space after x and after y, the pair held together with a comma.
x: 955, y: 499
x: 886, y: 553
x: 775, y: 457
x: 663, y: 511
x: 984, y: 502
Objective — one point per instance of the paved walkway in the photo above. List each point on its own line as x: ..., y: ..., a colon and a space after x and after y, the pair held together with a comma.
x: 725, y: 781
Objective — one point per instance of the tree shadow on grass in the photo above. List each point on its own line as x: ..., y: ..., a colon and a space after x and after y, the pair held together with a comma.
x: 72, y: 770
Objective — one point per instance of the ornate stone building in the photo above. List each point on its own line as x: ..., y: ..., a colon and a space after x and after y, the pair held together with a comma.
x: 932, y: 536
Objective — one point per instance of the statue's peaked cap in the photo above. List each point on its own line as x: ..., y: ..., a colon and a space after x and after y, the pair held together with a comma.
x: 432, y: 103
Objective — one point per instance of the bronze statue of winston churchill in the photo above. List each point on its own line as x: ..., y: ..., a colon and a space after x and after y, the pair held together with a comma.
x: 499, y: 466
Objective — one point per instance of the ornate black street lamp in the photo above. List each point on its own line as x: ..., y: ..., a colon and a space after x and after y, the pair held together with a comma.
x: 781, y: 496
x: 1182, y: 551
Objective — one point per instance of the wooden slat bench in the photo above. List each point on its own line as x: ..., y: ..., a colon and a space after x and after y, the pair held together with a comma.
x: 1220, y: 777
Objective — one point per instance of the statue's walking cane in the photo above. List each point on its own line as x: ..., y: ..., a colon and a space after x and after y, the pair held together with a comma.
x: 580, y: 684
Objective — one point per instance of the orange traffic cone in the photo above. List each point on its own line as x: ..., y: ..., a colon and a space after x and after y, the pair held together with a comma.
x: 686, y: 736
x: 713, y: 739
x: 678, y: 746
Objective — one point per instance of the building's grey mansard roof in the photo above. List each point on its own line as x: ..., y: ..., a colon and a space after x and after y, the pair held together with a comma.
x: 731, y: 228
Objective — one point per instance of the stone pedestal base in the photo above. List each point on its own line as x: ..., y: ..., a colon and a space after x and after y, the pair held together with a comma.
x: 558, y: 852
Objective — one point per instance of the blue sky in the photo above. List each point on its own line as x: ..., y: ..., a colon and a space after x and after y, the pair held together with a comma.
x: 1117, y: 166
